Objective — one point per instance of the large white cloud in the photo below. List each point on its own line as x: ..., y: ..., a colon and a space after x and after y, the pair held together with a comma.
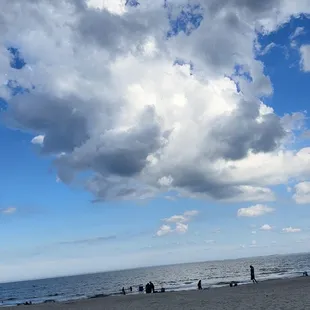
x: 108, y: 100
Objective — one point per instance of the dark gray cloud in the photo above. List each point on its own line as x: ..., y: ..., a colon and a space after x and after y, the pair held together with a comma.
x: 64, y: 127
x: 245, y: 130
x: 121, y: 33
x: 121, y: 153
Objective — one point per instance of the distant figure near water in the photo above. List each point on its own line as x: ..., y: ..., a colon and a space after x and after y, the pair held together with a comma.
x: 199, y: 285
x: 149, y: 288
x: 123, y: 291
x: 253, y: 274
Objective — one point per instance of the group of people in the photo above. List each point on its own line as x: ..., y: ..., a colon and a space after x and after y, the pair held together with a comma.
x: 234, y: 283
x: 150, y: 288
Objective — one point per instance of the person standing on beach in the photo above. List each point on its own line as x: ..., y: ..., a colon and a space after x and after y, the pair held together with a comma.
x: 199, y: 285
x: 253, y: 274
x: 152, y: 287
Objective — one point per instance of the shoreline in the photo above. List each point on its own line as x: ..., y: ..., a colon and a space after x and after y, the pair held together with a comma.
x: 142, y: 299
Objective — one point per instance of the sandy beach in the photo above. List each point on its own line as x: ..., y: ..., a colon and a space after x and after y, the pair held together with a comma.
x: 273, y: 294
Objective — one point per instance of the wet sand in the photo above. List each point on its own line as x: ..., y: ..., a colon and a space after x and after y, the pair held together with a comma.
x: 292, y: 294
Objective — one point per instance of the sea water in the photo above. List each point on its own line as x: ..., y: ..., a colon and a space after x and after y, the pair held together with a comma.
x: 172, y: 278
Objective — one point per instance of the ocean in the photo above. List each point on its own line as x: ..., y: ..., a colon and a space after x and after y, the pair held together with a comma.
x: 172, y: 278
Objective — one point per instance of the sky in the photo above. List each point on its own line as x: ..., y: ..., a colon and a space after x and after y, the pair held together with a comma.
x: 137, y: 133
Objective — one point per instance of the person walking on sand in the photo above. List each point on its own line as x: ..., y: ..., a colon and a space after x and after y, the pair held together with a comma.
x: 253, y: 274
x: 199, y: 285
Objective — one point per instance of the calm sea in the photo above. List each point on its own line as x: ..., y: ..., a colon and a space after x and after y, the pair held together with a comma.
x: 174, y: 277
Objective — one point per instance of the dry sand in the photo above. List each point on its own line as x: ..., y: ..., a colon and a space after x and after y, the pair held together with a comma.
x: 292, y: 294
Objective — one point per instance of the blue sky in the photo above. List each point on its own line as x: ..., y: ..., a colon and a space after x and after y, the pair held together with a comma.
x: 53, y: 227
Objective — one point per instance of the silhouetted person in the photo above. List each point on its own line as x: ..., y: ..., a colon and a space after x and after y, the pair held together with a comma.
x: 148, y: 288
x: 253, y: 274
x: 130, y: 288
x: 152, y: 287
x: 199, y: 285
x: 123, y: 291
x: 305, y: 274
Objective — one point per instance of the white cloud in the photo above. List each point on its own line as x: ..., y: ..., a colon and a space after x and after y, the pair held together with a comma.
x: 164, y: 230
x: 268, y: 48
x: 191, y: 213
x: 138, y: 124
x: 38, y: 140
x: 182, y: 218
x: 113, y: 6
x: 253, y: 211
x: 302, y: 193
x: 298, y: 31
x: 305, y: 57
x: 181, y: 228
x: 266, y: 227
x: 180, y: 222
x: 9, y: 210
x: 176, y: 219
x: 291, y: 230
x: 211, y: 241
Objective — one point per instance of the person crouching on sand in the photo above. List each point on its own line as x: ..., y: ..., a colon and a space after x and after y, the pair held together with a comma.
x: 253, y: 274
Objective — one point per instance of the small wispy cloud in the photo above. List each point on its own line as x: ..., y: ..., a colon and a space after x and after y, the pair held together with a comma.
x: 88, y: 240
x: 180, y: 221
x: 164, y: 230
x: 38, y: 140
x: 298, y: 31
x: 254, y: 211
x: 305, y: 57
x: 291, y: 230
x: 266, y: 227
x: 267, y: 48
x: 7, y: 211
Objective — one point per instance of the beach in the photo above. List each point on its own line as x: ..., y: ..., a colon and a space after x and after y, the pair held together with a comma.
x: 272, y: 294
